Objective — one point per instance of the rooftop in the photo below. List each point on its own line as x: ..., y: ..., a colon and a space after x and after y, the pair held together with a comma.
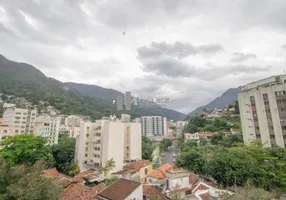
x: 151, y: 191
x: 119, y: 190
x: 160, y: 173
x: 193, y: 178
x: 80, y: 192
x: 133, y: 167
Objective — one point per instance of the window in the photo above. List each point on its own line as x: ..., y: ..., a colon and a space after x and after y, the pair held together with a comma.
x: 283, y: 119
x: 266, y: 103
x: 253, y: 105
x: 98, y: 134
x: 85, y: 155
x: 87, y: 135
x: 272, y: 136
x: 267, y: 111
x: 283, y: 127
x: 257, y: 127
x: 271, y: 127
x: 265, y: 96
x: 258, y: 136
x: 279, y: 101
x: 282, y: 109
x: 251, y: 97
x: 18, y: 113
x: 284, y: 137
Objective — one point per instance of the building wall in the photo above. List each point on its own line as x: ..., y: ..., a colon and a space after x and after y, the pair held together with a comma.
x: 113, y: 144
x: 21, y: 118
x: 8, y: 131
x: 154, y: 125
x: 135, y: 141
x: 263, y: 111
x: 178, y: 183
x: 137, y: 194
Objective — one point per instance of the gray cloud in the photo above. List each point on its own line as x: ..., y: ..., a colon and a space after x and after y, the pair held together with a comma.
x: 240, y: 56
x: 177, y: 49
x: 169, y: 67
x: 284, y: 46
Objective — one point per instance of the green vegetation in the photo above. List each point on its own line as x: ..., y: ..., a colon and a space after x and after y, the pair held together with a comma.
x: 64, y: 153
x: 200, y: 123
x: 236, y: 164
x: 25, y: 149
x: 164, y: 144
x: 108, y: 166
x: 147, y: 148
x: 108, y: 182
x: 24, y: 182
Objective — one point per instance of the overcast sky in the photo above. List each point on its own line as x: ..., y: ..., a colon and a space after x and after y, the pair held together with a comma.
x: 188, y: 50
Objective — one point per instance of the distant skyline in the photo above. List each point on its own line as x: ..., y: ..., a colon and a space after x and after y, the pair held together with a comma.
x: 188, y: 50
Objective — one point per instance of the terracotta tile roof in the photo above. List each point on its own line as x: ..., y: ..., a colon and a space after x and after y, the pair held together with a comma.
x: 151, y: 191
x: 175, y: 169
x: 126, y: 171
x: 119, y: 190
x: 85, y: 173
x: 193, y: 178
x: 80, y: 192
x: 53, y: 172
x: 180, y: 189
x: 160, y: 173
x: 138, y: 164
x: 205, y: 196
x: 201, y: 187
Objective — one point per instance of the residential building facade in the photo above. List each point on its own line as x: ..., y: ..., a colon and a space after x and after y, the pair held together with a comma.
x: 103, y: 140
x: 6, y: 131
x: 262, y: 106
x: 48, y: 127
x: 154, y: 126
x: 23, y: 118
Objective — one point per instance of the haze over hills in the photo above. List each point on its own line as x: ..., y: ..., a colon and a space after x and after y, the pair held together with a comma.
x: 24, y: 80
x: 227, y: 97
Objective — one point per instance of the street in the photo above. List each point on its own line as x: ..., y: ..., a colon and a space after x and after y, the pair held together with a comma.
x: 168, y: 158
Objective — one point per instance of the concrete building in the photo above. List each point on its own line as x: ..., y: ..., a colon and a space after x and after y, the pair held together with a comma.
x: 119, y: 102
x: 125, y: 118
x: 19, y: 117
x: 262, y: 106
x: 137, y: 120
x: 48, y: 127
x: 104, y: 140
x: 154, y: 126
x: 128, y: 99
x: 6, y: 131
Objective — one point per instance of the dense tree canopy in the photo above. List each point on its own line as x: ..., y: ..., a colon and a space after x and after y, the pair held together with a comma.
x: 235, y: 164
x: 24, y: 182
x: 64, y: 154
x: 164, y: 144
x: 147, y: 148
x: 25, y: 148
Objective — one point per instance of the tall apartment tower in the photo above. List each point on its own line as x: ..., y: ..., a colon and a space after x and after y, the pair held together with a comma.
x: 154, y: 126
x: 104, y: 140
x: 262, y: 107
x: 23, y: 118
x: 119, y: 102
x: 128, y: 100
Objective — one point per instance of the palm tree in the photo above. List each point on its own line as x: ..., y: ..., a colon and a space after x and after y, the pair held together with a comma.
x: 109, y: 165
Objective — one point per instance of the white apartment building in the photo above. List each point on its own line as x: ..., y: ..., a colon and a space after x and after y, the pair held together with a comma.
x: 154, y: 126
x: 48, y: 127
x: 19, y: 117
x: 103, y: 140
x: 262, y: 106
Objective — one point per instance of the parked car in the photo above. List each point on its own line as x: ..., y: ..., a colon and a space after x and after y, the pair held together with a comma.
x: 174, y: 155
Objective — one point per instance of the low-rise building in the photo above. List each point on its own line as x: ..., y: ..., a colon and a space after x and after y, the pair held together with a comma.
x: 191, y: 137
x: 122, y: 189
x: 157, y: 176
x: 136, y: 171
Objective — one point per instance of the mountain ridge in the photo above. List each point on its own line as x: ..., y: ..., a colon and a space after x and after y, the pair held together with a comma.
x: 20, y: 78
x: 227, y: 97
